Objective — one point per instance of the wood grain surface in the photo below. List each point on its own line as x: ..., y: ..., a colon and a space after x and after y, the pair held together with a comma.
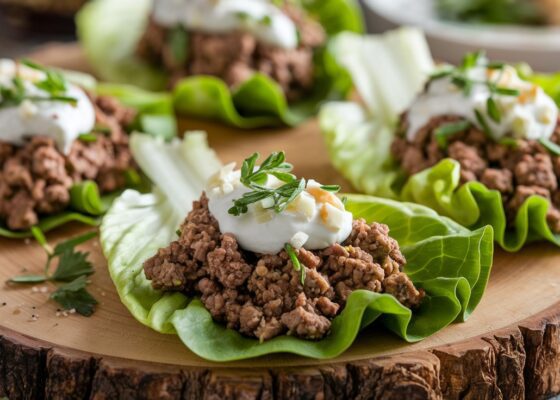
x: 509, y: 348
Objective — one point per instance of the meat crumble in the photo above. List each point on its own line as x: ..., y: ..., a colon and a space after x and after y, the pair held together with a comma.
x: 517, y: 169
x: 36, y: 178
x: 261, y: 295
x: 235, y: 56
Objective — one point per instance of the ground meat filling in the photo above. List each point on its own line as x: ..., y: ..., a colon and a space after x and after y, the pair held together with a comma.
x: 518, y: 171
x: 234, y: 57
x: 35, y: 179
x: 261, y: 295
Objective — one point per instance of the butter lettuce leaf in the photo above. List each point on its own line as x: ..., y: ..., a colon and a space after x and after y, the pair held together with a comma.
x: 109, y: 32
x: 359, y: 138
x: 451, y: 263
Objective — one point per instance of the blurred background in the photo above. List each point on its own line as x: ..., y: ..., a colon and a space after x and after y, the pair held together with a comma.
x: 510, y: 30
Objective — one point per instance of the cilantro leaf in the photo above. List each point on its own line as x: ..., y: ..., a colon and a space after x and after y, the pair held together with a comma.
x: 71, y: 265
x: 73, y: 295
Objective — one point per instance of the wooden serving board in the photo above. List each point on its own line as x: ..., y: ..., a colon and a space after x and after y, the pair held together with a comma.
x: 509, y: 348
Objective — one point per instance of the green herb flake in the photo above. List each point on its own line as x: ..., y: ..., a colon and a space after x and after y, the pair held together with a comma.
x: 493, y: 110
x: 510, y: 142
x: 552, y: 147
x: 266, y: 20
x: 471, y: 59
x: 179, y: 44
x: 295, y: 261
x: 444, y: 132
x: 504, y: 91
x: 87, y: 138
x: 483, y: 123
x: 331, y: 188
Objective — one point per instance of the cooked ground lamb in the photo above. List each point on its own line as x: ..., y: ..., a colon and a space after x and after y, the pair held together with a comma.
x: 234, y: 57
x: 35, y: 179
x: 517, y: 170
x: 261, y: 295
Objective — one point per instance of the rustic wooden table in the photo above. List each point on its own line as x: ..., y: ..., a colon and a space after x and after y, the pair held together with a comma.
x: 509, y: 348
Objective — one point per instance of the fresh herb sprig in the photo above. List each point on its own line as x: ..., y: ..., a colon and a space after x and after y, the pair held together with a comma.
x: 73, y: 268
x: 54, y: 84
x: 255, y: 178
x: 459, y: 77
x: 295, y: 261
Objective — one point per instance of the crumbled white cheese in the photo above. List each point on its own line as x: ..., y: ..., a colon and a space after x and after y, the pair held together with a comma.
x: 299, y: 239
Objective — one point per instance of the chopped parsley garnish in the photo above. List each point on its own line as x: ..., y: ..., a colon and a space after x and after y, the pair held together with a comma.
x: 295, y: 261
x: 256, y: 177
x: 444, y: 132
x: 73, y: 268
x: 54, y: 84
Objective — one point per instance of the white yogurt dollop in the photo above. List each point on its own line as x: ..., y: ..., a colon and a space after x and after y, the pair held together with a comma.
x: 531, y: 115
x: 262, y: 18
x: 315, y: 220
x: 59, y: 120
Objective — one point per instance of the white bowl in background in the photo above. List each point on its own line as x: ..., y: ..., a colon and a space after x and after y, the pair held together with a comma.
x: 449, y: 41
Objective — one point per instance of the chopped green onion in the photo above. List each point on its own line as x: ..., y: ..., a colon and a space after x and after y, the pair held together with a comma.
x: 550, y: 146
x: 87, y: 137
x: 443, y: 132
x: 179, y: 44
x: 510, y: 142
x: 331, y: 188
x: 496, y: 65
x: 295, y: 261
x: 471, y: 59
x: 101, y: 129
x: 504, y: 91
x: 483, y: 123
x: 441, y: 73
x: 493, y: 110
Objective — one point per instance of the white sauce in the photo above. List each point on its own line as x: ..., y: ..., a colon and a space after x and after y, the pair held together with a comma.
x: 532, y: 115
x: 262, y: 18
x: 59, y: 120
x: 316, y: 219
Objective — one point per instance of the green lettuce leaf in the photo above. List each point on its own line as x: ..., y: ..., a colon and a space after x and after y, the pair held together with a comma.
x: 550, y: 83
x: 86, y: 205
x: 450, y: 262
x: 110, y: 42
x: 359, y: 139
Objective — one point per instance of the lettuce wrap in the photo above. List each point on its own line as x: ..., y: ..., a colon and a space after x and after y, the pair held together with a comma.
x: 155, y: 118
x: 449, y: 262
x: 359, y: 138
x: 110, y: 30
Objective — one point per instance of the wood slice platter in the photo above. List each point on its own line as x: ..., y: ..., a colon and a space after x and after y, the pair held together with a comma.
x: 508, y: 349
